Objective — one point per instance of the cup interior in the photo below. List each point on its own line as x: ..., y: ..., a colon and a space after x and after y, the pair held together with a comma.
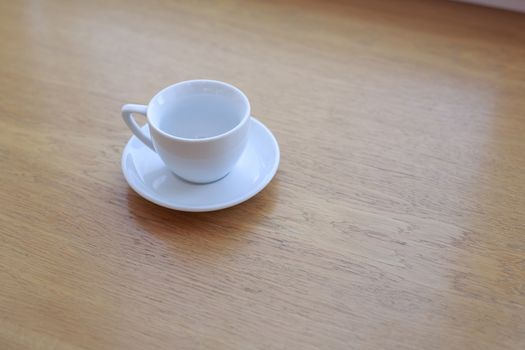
x: 198, y: 109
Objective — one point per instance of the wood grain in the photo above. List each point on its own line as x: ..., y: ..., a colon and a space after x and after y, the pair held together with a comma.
x: 396, y: 220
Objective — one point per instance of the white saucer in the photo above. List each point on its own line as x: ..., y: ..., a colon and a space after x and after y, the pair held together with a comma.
x: 148, y: 176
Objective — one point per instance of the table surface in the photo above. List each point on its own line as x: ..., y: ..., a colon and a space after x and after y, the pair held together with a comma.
x: 396, y: 219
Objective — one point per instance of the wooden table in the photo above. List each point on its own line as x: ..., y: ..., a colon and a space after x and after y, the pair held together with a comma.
x: 396, y: 219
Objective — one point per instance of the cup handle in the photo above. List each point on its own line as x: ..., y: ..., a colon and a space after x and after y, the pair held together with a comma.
x: 127, y: 115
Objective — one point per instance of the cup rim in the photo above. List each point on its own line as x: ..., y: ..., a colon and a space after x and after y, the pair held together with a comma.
x: 244, y: 119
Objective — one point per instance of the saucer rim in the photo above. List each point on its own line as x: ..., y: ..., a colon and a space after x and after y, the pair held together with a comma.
x: 270, y: 175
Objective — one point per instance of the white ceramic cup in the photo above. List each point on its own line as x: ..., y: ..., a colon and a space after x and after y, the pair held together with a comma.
x: 199, y: 128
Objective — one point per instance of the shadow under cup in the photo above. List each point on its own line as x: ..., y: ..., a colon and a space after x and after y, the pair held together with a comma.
x: 199, y: 128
